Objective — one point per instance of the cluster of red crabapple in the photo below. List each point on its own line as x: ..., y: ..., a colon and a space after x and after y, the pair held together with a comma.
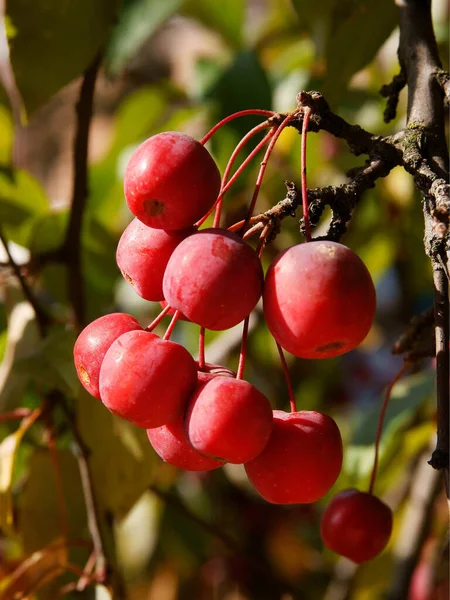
x: 318, y: 302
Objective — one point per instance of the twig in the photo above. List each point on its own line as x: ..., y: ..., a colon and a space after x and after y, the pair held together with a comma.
x: 443, y: 78
x: 392, y: 91
x: 17, y: 413
x: 81, y: 451
x: 425, y: 486
x: 42, y: 319
x: 418, y: 340
x: 172, y: 500
x: 72, y: 242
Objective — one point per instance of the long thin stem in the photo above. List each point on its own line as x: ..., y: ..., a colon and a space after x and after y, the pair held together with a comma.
x: 264, y: 162
x: 158, y: 319
x: 201, y: 349
x: 292, y: 401
x: 172, y: 324
x: 17, y: 413
x: 226, y: 182
x: 384, y: 406
x: 306, y: 116
x: 243, y: 352
x: 236, y: 115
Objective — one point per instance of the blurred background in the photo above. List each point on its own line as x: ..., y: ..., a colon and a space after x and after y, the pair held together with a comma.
x: 184, y: 65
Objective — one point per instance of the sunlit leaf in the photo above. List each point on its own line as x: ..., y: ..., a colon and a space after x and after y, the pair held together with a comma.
x: 8, y: 449
x: 22, y: 338
x: 120, y: 446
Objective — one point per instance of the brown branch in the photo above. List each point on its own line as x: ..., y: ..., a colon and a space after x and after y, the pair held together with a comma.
x: 82, y: 451
x: 425, y: 487
x: 72, y: 242
x: 426, y: 157
x: 443, y: 79
x: 418, y: 340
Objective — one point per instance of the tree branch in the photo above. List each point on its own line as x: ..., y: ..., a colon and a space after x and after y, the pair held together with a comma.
x: 426, y: 157
x: 72, y: 242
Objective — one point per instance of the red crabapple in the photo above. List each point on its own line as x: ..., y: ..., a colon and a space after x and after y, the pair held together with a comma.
x: 92, y: 344
x: 142, y: 256
x: 147, y: 380
x: 301, y: 460
x: 228, y: 418
x: 170, y: 443
x: 357, y: 525
x: 214, y: 278
x: 319, y: 299
x: 171, y: 181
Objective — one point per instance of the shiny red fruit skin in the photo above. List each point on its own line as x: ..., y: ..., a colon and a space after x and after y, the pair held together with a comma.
x: 214, y: 278
x: 356, y: 525
x: 171, y: 181
x: 147, y: 380
x: 93, y: 343
x: 229, y: 419
x: 301, y: 461
x: 319, y: 300
x: 142, y: 256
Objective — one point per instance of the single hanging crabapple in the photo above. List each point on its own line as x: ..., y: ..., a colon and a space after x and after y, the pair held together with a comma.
x: 228, y: 419
x: 93, y: 343
x: 214, y: 278
x: 356, y: 525
x: 171, y: 181
x: 147, y: 380
x: 319, y: 299
x: 142, y: 256
x: 301, y: 461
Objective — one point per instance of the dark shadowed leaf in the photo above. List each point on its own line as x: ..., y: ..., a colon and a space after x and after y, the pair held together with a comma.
x: 52, y: 42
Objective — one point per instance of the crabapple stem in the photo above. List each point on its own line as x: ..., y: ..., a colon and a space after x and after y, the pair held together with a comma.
x: 172, y: 324
x: 384, y: 406
x: 158, y: 319
x: 288, y: 379
x: 227, y: 184
x: 201, y: 349
x: 236, y: 115
x: 243, y: 352
x: 264, y: 162
x: 306, y: 116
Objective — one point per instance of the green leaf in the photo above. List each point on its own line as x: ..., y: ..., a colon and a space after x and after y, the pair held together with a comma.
x: 22, y: 201
x: 350, y: 46
x: 244, y: 84
x: 138, y: 20
x: 51, y: 362
x: 226, y: 17
x: 121, y: 458
x: 52, y: 42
